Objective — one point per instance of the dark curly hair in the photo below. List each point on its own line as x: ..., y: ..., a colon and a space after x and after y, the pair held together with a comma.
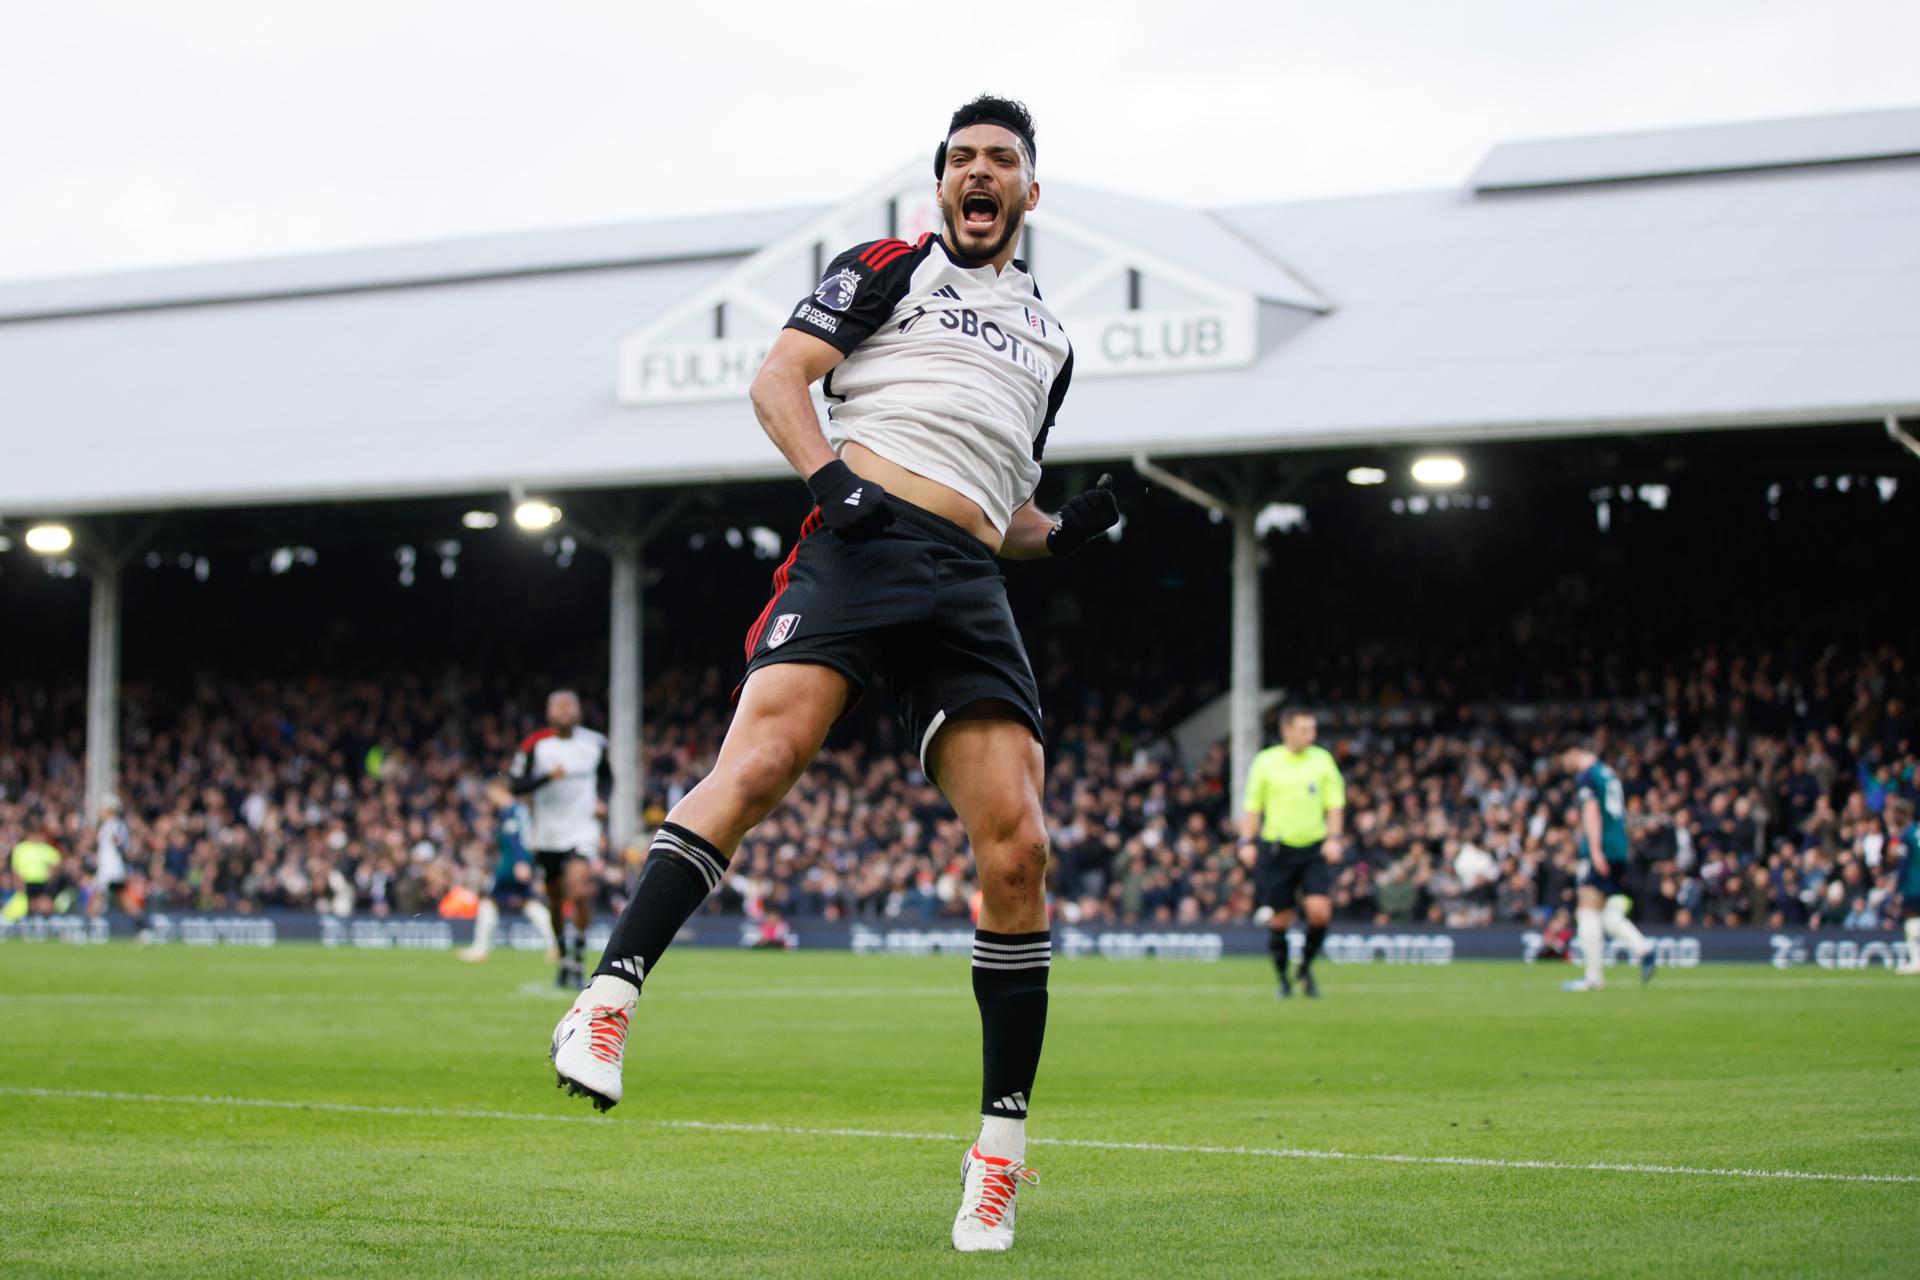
x: 987, y: 109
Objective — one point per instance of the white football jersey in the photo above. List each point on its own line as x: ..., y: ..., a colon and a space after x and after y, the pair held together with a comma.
x: 562, y: 809
x: 953, y: 371
x: 110, y: 850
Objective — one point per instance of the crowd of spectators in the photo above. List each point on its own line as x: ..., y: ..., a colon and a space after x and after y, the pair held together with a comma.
x: 1755, y: 787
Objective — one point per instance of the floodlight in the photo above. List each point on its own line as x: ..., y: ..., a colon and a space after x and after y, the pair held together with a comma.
x: 1439, y: 471
x: 481, y: 519
x: 50, y: 539
x: 1366, y: 475
x: 535, y: 514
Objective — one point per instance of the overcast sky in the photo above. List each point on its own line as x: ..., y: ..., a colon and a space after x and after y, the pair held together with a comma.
x: 167, y: 131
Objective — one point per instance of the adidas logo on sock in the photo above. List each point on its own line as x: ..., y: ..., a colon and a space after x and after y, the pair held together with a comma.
x: 853, y: 499
x: 634, y: 967
x: 1012, y: 1102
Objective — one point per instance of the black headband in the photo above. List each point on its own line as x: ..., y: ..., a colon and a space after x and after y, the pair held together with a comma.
x: 940, y: 152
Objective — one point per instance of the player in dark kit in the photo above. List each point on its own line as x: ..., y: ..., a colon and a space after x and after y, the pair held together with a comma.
x: 1602, y: 901
x: 1903, y: 843
x: 512, y: 888
x: 944, y: 370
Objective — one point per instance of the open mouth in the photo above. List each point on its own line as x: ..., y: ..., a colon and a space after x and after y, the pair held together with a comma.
x: 979, y: 211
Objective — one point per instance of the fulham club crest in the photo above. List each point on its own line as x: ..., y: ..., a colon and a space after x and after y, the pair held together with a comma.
x: 782, y: 631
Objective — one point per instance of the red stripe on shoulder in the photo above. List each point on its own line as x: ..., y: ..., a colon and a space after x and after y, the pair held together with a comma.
x: 890, y: 256
x: 534, y: 737
x: 879, y: 249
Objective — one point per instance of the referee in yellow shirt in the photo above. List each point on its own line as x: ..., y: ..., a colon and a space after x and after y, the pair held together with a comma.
x: 34, y: 862
x: 1290, y: 832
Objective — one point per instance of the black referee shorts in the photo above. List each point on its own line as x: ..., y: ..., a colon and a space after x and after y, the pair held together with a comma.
x: 1287, y: 873
x: 922, y: 604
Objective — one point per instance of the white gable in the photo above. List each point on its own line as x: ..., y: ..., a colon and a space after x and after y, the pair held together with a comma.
x: 1132, y: 307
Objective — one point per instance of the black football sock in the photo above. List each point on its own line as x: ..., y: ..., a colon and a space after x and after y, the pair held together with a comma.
x: 1277, y: 946
x: 1010, y: 985
x: 681, y: 870
x: 1316, y: 935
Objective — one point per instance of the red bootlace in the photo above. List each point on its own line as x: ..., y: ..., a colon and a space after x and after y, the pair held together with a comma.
x: 999, y: 1185
x: 606, y: 1033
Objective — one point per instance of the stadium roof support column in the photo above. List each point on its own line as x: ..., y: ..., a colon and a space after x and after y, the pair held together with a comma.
x: 615, y: 527
x: 624, y: 695
x: 103, y: 685
x: 1244, y: 735
x: 105, y: 548
x: 1244, y: 694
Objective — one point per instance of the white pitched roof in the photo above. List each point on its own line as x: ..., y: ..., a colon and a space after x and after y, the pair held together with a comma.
x: 1782, y: 295
x: 1721, y: 148
x: 401, y: 266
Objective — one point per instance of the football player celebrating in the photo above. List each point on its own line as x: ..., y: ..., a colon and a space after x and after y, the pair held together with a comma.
x: 944, y: 369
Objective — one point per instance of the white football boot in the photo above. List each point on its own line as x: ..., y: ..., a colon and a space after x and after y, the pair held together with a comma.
x: 988, y: 1187
x: 590, y: 1043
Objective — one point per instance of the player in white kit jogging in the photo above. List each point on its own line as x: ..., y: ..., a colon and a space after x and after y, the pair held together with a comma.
x: 562, y: 771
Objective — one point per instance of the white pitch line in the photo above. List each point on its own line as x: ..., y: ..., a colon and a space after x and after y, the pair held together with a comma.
x: 540, y: 990
x: 674, y: 995
x: 958, y: 989
x: 1160, y: 1148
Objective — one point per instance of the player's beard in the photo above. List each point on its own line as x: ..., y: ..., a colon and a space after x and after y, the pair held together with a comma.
x: 1016, y: 219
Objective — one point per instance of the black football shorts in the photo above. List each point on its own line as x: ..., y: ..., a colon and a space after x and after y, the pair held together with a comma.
x: 921, y: 604
x: 1288, y: 873
x: 553, y: 862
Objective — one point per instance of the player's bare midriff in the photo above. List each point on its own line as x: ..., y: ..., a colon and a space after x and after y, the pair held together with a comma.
x: 928, y: 495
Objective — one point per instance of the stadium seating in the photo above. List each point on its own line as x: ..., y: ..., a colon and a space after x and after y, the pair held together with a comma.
x: 1755, y: 784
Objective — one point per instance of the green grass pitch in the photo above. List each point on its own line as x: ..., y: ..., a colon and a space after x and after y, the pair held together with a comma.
x: 393, y: 1113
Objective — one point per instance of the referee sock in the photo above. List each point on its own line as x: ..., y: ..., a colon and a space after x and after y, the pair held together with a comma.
x: 681, y: 870
x: 1316, y: 936
x: 1277, y: 945
x: 1010, y: 986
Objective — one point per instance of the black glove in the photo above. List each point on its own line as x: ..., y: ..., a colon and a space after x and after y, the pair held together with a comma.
x: 1084, y: 518
x: 852, y: 507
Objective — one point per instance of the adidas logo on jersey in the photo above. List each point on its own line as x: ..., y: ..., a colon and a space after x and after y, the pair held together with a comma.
x: 947, y: 291
x: 853, y: 499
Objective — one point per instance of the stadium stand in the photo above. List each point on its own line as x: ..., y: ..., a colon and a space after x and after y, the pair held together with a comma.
x: 1755, y: 785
